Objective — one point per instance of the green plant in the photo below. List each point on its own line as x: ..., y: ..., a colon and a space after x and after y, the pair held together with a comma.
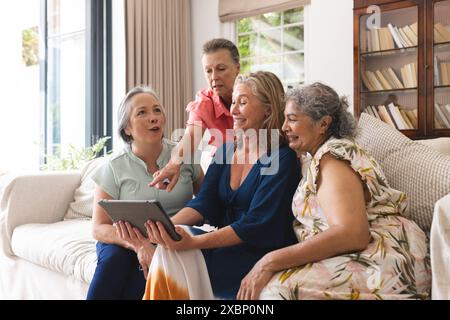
x: 30, y: 46
x: 75, y: 158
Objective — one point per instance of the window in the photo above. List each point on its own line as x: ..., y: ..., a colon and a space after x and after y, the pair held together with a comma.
x: 56, y: 79
x: 274, y: 42
x: 76, y: 71
x: 66, y: 69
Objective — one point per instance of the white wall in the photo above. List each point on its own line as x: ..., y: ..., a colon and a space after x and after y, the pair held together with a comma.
x: 205, y: 25
x: 330, y: 45
x: 19, y: 89
x: 329, y: 41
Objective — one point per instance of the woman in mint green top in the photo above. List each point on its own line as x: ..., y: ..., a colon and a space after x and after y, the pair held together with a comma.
x: 123, y: 253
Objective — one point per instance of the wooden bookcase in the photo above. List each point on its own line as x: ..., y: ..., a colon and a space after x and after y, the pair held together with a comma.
x: 402, y: 65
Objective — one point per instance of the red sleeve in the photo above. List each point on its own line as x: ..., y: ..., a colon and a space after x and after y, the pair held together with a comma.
x: 199, y: 112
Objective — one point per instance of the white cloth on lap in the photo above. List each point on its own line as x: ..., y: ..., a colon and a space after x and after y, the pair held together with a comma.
x: 440, y: 250
x: 178, y: 275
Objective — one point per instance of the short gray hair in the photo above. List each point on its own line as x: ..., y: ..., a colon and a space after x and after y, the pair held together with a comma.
x: 124, y: 109
x: 318, y: 100
x: 215, y: 45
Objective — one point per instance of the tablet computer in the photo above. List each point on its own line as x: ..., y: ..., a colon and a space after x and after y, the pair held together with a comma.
x: 137, y: 212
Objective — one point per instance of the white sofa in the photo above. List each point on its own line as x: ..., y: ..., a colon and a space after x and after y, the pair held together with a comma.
x: 44, y: 257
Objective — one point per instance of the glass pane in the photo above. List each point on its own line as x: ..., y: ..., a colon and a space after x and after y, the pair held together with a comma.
x: 270, y: 42
x: 442, y: 22
x: 442, y: 65
x: 246, y: 25
x: 245, y: 66
x: 247, y: 45
x: 293, y: 38
x: 66, y: 93
x: 399, y: 109
x: 294, y: 68
x: 65, y: 16
x: 272, y: 64
x: 293, y: 15
x: 271, y: 19
x: 394, y: 29
x: 442, y: 108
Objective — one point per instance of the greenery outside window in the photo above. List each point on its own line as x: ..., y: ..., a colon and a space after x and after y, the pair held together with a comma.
x: 274, y: 42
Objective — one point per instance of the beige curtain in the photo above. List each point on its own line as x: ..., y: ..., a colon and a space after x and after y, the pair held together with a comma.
x: 159, y: 53
x: 230, y: 10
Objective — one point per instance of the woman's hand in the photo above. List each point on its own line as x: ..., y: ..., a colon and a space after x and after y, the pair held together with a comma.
x: 140, y: 244
x: 157, y: 234
x: 254, y: 281
x: 131, y: 235
x: 167, y: 177
x: 145, y: 255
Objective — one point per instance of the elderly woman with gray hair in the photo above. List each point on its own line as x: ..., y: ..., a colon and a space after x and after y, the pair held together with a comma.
x: 124, y: 254
x: 353, y: 239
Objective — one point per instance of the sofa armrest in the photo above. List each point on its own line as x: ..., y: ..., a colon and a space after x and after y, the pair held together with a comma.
x: 35, y: 198
x: 440, y: 250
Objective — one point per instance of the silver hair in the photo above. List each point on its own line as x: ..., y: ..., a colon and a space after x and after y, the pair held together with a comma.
x: 124, y: 109
x: 318, y: 100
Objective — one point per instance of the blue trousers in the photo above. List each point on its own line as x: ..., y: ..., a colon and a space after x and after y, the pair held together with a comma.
x: 117, y: 275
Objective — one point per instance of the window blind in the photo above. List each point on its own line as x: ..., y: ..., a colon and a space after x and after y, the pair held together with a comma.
x: 230, y: 10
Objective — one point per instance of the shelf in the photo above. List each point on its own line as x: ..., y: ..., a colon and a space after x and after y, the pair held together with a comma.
x: 407, y: 90
x: 443, y: 44
x: 391, y: 52
x: 441, y: 87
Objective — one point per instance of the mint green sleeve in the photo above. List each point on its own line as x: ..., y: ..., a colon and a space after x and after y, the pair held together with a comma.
x: 105, y: 178
x: 196, y: 168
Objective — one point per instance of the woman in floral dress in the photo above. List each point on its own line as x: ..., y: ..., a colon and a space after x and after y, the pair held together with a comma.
x: 355, y: 241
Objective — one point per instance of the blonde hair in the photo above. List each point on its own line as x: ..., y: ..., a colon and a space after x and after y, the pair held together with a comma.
x: 269, y: 90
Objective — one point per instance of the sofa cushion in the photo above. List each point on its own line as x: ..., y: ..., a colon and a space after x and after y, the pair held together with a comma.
x: 82, y: 205
x: 439, y: 144
x: 66, y: 247
x: 409, y: 166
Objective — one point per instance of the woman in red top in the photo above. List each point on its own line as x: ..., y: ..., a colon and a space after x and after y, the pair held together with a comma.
x: 210, y: 109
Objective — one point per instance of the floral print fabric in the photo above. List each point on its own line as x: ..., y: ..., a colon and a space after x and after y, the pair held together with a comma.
x: 395, y: 265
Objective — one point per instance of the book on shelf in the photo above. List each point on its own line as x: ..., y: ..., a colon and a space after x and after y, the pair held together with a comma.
x: 384, y: 114
x: 442, y: 116
x: 443, y: 72
x: 409, y: 75
x: 384, y: 83
x: 393, y: 76
x: 394, y: 32
x: 386, y: 41
x: 390, y: 37
x: 441, y: 32
x: 405, y: 117
x: 383, y: 79
x: 395, y: 116
x: 412, y: 37
x: 437, y: 71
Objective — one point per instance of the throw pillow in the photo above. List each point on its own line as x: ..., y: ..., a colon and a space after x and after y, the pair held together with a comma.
x: 421, y: 172
x: 82, y: 206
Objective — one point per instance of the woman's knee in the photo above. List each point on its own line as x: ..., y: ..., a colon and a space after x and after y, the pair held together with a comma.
x: 114, y: 253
